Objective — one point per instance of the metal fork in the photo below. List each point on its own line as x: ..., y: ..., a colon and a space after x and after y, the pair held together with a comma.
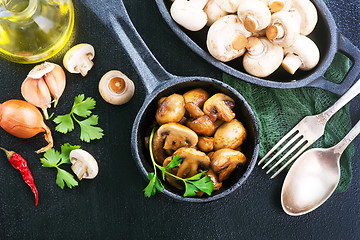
x: 306, y: 132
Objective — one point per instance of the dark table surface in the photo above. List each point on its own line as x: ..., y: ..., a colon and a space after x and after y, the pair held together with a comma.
x: 112, y: 206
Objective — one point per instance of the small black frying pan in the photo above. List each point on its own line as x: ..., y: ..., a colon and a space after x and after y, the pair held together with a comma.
x: 325, y: 35
x: 159, y: 83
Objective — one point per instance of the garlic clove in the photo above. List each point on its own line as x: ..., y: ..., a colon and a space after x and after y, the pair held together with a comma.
x: 56, y: 81
x: 36, y: 92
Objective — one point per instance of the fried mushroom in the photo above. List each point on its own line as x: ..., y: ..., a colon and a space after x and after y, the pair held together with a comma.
x: 229, y: 135
x: 193, y: 162
x: 171, y: 109
x: 225, y: 160
x: 219, y: 106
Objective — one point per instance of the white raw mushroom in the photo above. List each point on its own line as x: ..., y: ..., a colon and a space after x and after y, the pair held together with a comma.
x: 284, y: 28
x: 116, y: 88
x: 278, y: 5
x: 230, y: 6
x: 189, y: 14
x: 78, y: 59
x: 303, y: 54
x: 263, y: 57
x: 213, y: 12
x: 227, y: 38
x: 308, y: 15
x: 84, y: 164
x: 254, y: 14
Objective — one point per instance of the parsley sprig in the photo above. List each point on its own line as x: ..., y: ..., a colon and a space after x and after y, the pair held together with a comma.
x: 82, y: 107
x: 53, y: 159
x: 196, y: 183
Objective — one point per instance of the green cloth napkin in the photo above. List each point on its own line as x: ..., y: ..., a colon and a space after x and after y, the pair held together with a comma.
x: 279, y: 110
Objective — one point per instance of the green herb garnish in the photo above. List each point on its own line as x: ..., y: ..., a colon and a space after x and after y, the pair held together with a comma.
x: 196, y: 183
x: 53, y: 158
x: 82, y: 107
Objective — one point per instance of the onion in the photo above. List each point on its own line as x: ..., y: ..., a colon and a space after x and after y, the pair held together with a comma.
x: 24, y: 120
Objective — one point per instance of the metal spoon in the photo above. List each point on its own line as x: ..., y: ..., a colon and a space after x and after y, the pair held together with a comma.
x: 314, y: 177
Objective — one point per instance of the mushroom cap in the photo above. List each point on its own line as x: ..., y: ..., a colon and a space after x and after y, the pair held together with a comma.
x: 254, y: 14
x: 230, y: 6
x: 193, y: 110
x: 308, y: 15
x: 214, y: 178
x: 77, y: 58
x: 192, y: 160
x: 267, y: 62
x: 197, y: 96
x: 213, y: 12
x: 306, y: 50
x: 219, y: 106
x: 202, y: 125
x: 225, y: 160
x: 229, y: 135
x: 171, y: 136
x: 226, y: 38
x: 188, y: 14
x: 171, y: 109
x: 116, y: 88
x: 88, y: 163
x: 289, y: 22
x: 205, y: 144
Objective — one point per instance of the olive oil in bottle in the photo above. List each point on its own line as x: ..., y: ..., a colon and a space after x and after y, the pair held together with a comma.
x: 34, y: 30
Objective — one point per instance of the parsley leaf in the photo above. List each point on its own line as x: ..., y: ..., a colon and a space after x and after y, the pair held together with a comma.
x: 150, y: 190
x: 82, y: 107
x: 53, y: 158
x: 204, y: 184
x: 190, y: 190
x: 176, y: 160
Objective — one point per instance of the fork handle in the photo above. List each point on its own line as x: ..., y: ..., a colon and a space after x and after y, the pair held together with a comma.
x: 342, y: 101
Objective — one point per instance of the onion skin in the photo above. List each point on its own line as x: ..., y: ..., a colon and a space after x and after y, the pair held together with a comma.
x: 22, y: 119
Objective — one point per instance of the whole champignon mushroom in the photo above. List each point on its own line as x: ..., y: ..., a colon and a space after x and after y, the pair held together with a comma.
x: 263, y: 57
x: 219, y: 106
x: 284, y: 28
x: 84, y: 164
x: 171, y: 136
x: 116, y: 88
x: 227, y: 38
x: 230, y: 6
x: 202, y: 125
x: 229, y: 135
x: 254, y: 14
x: 308, y: 15
x: 278, y: 5
x: 224, y: 161
x: 303, y: 54
x: 213, y: 12
x: 171, y: 109
x: 189, y: 14
x: 78, y: 59
x: 205, y: 144
x: 193, y: 161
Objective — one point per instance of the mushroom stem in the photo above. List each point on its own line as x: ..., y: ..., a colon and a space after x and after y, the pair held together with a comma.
x: 276, y: 5
x: 291, y: 63
x: 85, y: 66
x: 250, y: 23
x: 255, y: 47
x: 275, y: 31
x: 78, y: 169
x: 239, y: 42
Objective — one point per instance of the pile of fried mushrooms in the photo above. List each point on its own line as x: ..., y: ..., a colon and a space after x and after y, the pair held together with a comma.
x: 203, y: 131
x: 267, y: 33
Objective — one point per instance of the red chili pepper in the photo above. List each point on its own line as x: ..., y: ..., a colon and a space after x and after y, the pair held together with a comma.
x: 20, y: 164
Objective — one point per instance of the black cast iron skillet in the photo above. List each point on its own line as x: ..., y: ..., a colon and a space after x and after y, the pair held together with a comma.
x: 159, y: 83
x: 325, y: 35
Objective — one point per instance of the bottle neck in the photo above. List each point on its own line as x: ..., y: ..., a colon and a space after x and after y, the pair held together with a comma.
x: 17, y: 10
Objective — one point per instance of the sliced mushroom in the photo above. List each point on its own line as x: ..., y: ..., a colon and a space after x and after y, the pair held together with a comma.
x: 263, y: 57
x: 193, y: 161
x: 172, y: 136
x: 189, y: 14
x: 227, y: 38
x: 171, y: 109
x: 308, y: 15
x: 254, y: 14
x: 225, y: 160
x: 78, y: 59
x: 303, y: 54
x: 116, y: 88
x: 284, y: 28
x: 229, y: 135
x: 219, y: 106
x: 202, y: 125
x: 84, y: 164
x: 205, y: 144
x: 213, y: 12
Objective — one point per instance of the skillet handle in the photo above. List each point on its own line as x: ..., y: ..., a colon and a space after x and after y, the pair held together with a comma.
x: 114, y: 15
x: 353, y: 53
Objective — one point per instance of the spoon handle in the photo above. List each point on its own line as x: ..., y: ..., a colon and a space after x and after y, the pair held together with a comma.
x: 352, y: 134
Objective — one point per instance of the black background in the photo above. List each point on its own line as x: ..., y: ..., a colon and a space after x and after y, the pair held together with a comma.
x: 112, y: 206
